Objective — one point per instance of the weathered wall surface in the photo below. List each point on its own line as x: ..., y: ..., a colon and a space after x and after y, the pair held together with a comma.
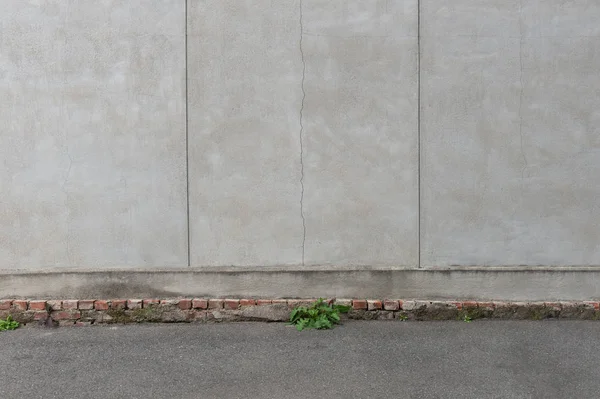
x: 384, y: 133
x: 92, y: 112
x: 303, y: 132
x: 510, y: 133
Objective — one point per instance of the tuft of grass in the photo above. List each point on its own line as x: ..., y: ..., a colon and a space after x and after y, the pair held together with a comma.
x: 319, y: 315
x: 467, y: 318
x: 8, y: 324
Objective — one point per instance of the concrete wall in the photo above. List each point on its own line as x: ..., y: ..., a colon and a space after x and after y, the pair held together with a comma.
x: 510, y: 122
x: 383, y: 133
x: 93, y: 148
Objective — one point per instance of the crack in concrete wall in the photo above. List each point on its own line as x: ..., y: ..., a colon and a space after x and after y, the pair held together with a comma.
x: 301, y: 141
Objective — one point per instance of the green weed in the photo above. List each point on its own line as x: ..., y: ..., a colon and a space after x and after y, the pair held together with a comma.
x: 319, y: 315
x: 8, y: 324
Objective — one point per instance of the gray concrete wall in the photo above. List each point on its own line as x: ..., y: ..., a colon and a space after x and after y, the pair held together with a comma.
x: 382, y: 133
x: 510, y: 122
x: 93, y: 148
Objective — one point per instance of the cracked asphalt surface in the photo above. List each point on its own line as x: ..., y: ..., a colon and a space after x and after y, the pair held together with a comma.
x: 482, y: 359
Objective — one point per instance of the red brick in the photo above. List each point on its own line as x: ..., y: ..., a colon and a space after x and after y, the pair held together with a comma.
x: 118, y: 304
x: 198, y: 303
x: 263, y: 302
x: 86, y: 304
x: 247, y: 302
x: 215, y: 303
x: 374, y: 304
x: 185, y: 304
x: 101, y: 305
x: 469, y: 304
x: 231, y: 303
x: 70, y: 304
x: 486, y: 305
x: 37, y: 305
x: 66, y: 315
x: 279, y: 301
x: 5, y: 304
x: 19, y: 304
x: 132, y: 304
x: 151, y: 302
x: 40, y: 315
x: 389, y: 304
x: 358, y: 304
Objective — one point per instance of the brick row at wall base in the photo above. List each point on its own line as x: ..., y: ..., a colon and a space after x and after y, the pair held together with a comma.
x: 87, y: 312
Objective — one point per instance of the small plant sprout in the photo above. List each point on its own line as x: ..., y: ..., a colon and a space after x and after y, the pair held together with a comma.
x: 8, y: 324
x: 320, y: 315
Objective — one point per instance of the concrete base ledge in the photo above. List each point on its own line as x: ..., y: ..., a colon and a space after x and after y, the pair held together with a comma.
x: 469, y: 283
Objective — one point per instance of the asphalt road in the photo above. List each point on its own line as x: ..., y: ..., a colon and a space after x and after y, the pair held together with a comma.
x: 482, y: 359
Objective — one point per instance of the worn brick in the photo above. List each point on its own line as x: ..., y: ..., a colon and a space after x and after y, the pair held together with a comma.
x: 147, y: 303
x: 486, y: 305
x: 374, y: 304
x: 134, y: 304
x: 469, y: 304
x: 40, y: 316
x: 595, y: 305
x: 70, y: 304
x: 231, y: 304
x: 19, y: 304
x: 66, y: 315
x: 185, y: 304
x: 101, y: 305
x: 407, y: 305
x: 118, y: 304
x: 86, y: 304
x: 390, y: 304
x: 263, y: 301
x: 198, y: 303
x: 37, y: 305
x: 82, y: 323
x: 55, y: 305
x: 247, y: 302
x: 359, y: 304
x: 5, y: 304
x: 294, y: 303
x: 459, y: 305
x: 343, y: 302
x: 215, y: 303
x: 279, y: 301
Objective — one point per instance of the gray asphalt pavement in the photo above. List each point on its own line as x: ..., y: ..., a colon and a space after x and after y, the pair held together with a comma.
x: 482, y: 359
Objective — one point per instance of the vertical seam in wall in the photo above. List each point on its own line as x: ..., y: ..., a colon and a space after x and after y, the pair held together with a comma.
x: 419, y: 127
x: 301, y: 140
x: 187, y: 146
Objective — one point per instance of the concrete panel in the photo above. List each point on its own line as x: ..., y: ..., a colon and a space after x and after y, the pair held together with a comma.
x: 93, y: 134
x: 360, y: 133
x: 513, y: 284
x: 510, y: 167
x: 245, y: 77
